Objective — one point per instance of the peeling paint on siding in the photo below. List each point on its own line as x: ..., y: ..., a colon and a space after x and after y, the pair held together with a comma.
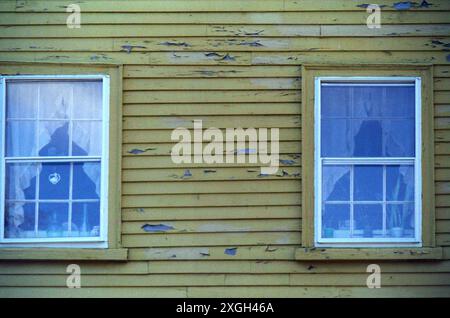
x: 157, y: 227
x: 231, y: 251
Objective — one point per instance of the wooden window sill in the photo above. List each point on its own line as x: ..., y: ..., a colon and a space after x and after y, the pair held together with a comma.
x: 343, y: 254
x: 75, y: 254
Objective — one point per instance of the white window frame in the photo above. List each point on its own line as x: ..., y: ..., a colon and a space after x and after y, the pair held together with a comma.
x: 319, y: 241
x: 64, y: 242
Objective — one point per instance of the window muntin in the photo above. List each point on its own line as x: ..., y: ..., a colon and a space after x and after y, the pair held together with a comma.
x: 54, y: 159
x: 367, y: 159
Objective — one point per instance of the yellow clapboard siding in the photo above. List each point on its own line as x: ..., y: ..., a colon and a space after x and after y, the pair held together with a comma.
x: 217, y: 96
x: 443, y: 187
x: 212, y: 226
x: 442, y: 226
x: 442, y: 214
x: 275, y: 83
x: 217, y: 71
x: 211, y: 6
x: 256, y: 267
x: 442, y: 174
x: 207, y: 174
x: 442, y: 148
x: 237, y: 44
x: 300, y: 292
x: 285, y: 147
x: 442, y: 84
x: 211, y: 213
x: 251, y: 43
x: 96, y: 292
x: 161, y: 280
x: 181, y: 200
x: 219, y: 267
x: 331, y: 30
x: 229, y: 240
x: 441, y: 71
x: 189, y: 187
x: 263, y: 252
x: 87, y: 268
x: 157, y: 58
x: 155, y: 136
x: 213, y: 84
x: 229, y: 58
x: 394, y: 18
x: 442, y: 110
x: 442, y: 135
x: 443, y: 239
x: 442, y: 97
x: 139, y: 162
x: 442, y: 123
x: 280, y: 121
x: 293, y: 58
x: 443, y: 200
x: 168, y: 71
x: 442, y: 161
x: 211, y: 109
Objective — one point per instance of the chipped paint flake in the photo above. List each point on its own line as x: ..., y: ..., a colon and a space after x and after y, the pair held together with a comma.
x: 136, y: 151
x: 187, y: 174
x: 287, y: 162
x: 157, y: 227
x: 128, y: 48
x: 231, y: 251
x: 174, y: 43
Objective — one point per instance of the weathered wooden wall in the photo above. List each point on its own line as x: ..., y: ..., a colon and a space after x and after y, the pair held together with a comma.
x: 232, y: 64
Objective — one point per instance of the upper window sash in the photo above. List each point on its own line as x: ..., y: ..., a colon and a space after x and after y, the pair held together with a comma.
x: 321, y: 161
x: 72, y: 242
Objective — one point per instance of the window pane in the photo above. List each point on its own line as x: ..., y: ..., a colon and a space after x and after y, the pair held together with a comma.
x: 86, y: 181
x: 399, y: 138
x: 400, y: 220
x: 368, y: 220
x: 54, y: 180
x: 19, y: 220
x: 20, y: 138
x: 336, y: 221
x: 87, y: 138
x: 400, y: 102
x: 336, y: 138
x: 400, y: 183
x: 368, y: 185
x: 21, y: 101
x: 53, y: 138
x: 87, y: 100
x: 86, y: 219
x: 335, y: 101
x: 336, y: 183
x: 53, y: 219
x: 55, y: 99
x: 368, y: 138
x: 379, y: 123
x: 368, y: 101
x: 20, y: 181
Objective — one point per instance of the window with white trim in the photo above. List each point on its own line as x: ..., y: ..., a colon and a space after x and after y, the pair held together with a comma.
x: 368, y: 161
x: 54, y: 153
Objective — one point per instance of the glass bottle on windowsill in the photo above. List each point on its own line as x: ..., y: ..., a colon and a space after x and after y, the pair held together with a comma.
x: 84, y: 231
x: 53, y: 229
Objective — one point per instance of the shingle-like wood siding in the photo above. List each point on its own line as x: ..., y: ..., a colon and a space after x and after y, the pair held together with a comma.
x: 232, y: 64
